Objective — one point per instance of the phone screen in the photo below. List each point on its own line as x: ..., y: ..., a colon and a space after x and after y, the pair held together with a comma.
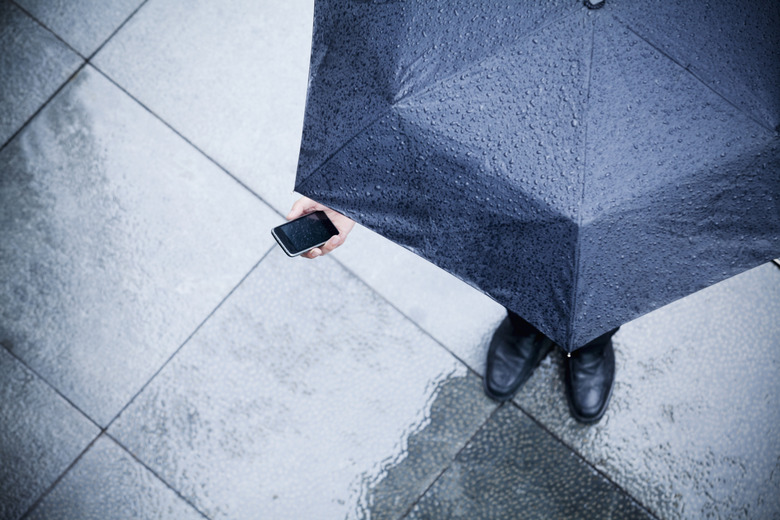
x: 304, y: 233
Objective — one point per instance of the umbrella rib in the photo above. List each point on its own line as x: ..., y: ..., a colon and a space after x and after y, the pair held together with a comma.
x: 699, y: 79
x: 577, y: 249
x: 343, y: 145
x: 475, y: 64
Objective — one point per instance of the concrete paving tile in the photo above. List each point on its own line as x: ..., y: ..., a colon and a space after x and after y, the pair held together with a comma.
x: 304, y: 396
x: 117, y: 239
x: 34, y: 63
x: 248, y: 116
x: 107, y: 483
x: 514, y: 469
x: 693, y: 429
x: 459, y: 316
x: 231, y: 76
x: 40, y: 436
x: 84, y: 24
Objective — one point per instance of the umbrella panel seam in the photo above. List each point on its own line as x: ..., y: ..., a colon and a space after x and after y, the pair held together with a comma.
x: 692, y: 72
x: 408, y: 97
x: 382, y: 114
x: 481, y: 61
x: 577, y: 249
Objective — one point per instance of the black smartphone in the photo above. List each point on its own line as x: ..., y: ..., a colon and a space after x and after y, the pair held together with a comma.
x: 304, y: 233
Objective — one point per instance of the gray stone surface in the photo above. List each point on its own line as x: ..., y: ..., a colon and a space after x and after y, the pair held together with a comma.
x: 257, y: 139
x: 514, y: 469
x: 230, y: 75
x: 40, y: 436
x: 692, y: 429
x: 33, y: 63
x: 117, y: 239
x: 305, y: 396
x: 107, y: 483
x: 461, y: 317
x: 84, y: 24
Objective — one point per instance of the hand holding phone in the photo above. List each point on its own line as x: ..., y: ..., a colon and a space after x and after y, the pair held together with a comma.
x: 304, y: 233
x: 306, y: 206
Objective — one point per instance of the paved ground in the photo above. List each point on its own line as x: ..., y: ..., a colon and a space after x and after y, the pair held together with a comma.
x: 161, y: 358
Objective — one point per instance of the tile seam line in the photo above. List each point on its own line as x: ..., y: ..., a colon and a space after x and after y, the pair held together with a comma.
x: 52, y: 387
x: 158, y: 477
x: 119, y: 28
x: 185, y: 139
x: 84, y: 62
x: 48, y: 29
x: 405, y: 316
x: 59, y: 479
x: 46, y: 103
x: 448, y: 466
x: 187, y: 340
x: 585, y: 461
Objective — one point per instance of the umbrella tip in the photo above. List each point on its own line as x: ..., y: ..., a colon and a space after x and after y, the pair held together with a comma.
x: 594, y: 4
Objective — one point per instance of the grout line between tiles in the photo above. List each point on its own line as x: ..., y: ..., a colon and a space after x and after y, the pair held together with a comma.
x: 84, y: 62
x: 139, y: 461
x: 104, y: 431
x: 469, y: 440
x: 188, y: 141
x: 52, y: 387
x: 584, y: 460
x: 121, y: 25
x: 402, y: 313
x: 184, y: 343
x: 43, y: 105
x: 59, y: 479
x: 48, y: 29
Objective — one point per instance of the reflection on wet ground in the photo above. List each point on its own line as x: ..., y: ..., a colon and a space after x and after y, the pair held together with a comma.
x: 161, y: 358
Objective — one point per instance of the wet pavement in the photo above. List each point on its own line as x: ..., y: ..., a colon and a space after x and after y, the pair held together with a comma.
x: 162, y: 358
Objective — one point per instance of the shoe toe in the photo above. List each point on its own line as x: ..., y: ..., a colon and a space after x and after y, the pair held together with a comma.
x: 589, y: 385
x: 589, y: 402
x: 510, y: 361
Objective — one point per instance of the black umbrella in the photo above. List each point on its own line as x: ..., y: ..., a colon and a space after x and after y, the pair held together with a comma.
x: 582, y: 167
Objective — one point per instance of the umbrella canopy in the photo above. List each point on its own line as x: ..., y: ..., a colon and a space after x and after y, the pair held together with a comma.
x: 582, y: 167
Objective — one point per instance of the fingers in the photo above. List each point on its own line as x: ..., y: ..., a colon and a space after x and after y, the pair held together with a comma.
x: 305, y: 205
x: 312, y: 253
x: 327, y: 247
x: 331, y: 244
x: 301, y: 207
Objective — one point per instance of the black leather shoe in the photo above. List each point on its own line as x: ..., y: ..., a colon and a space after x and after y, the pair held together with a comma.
x: 511, y: 359
x: 590, y: 376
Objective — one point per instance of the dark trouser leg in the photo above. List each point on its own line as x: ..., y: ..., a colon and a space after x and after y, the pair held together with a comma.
x: 520, y: 326
x: 523, y: 328
x: 600, y: 342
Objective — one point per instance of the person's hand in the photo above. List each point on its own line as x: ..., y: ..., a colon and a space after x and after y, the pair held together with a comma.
x: 304, y: 206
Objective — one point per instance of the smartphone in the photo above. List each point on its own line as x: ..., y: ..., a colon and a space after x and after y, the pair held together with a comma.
x: 304, y: 233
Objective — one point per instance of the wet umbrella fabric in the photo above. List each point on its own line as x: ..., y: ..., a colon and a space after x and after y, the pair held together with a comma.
x: 581, y: 167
